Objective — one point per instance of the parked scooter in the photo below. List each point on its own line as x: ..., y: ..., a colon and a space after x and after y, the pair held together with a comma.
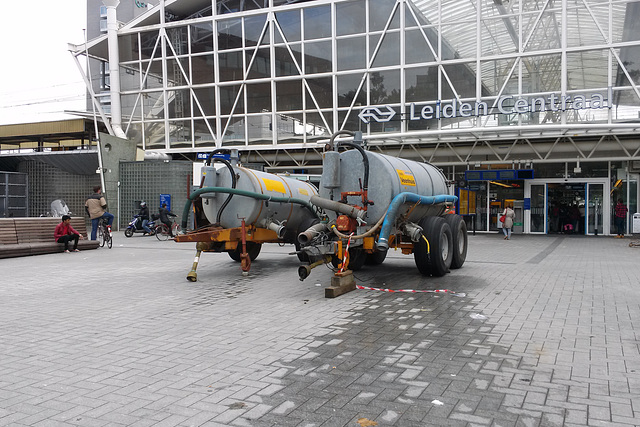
x: 135, y: 226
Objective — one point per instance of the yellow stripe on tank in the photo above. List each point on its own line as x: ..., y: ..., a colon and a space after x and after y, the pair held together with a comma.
x: 273, y: 185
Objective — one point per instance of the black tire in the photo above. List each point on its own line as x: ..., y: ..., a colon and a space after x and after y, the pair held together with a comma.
x: 128, y: 232
x: 235, y: 254
x: 357, y: 257
x: 253, y: 249
x: 302, y: 256
x: 460, y: 239
x: 109, y: 241
x: 438, y: 261
x: 162, y: 232
x: 376, y: 258
x: 101, y: 237
x: 335, y: 261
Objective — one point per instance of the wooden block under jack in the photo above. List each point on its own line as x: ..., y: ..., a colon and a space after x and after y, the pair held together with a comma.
x: 341, y: 283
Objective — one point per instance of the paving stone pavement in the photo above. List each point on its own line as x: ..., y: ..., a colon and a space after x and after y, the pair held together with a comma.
x: 547, y: 334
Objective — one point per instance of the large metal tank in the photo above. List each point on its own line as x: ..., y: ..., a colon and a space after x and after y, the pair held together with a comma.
x: 388, y: 177
x: 255, y: 212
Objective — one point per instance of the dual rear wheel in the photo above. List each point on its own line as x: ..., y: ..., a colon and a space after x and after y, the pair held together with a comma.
x: 447, y: 245
x: 447, y: 237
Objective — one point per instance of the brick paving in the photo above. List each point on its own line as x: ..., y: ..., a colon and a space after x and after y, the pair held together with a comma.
x: 546, y: 335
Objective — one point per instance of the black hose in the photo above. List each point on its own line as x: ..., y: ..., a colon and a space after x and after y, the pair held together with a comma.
x: 233, y: 177
x: 365, y: 160
x: 335, y: 135
x: 213, y: 153
x: 233, y: 185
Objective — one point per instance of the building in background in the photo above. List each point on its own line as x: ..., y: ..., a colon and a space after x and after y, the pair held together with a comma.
x: 531, y: 103
x: 99, y: 75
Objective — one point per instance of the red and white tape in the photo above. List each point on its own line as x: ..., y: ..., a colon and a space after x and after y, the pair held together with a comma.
x: 413, y: 291
x: 346, y: 254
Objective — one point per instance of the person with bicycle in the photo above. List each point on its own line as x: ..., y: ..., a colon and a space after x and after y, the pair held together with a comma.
x: 96, y: 208
x: 164, y: 218
x: 65, y: 233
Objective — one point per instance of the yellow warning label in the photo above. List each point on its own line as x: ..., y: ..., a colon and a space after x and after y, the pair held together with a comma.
x: 303, y: 191
x: 273, y: 185
x: 406, y: 178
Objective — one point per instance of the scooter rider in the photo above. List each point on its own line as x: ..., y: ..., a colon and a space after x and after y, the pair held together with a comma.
x: 144, y: 216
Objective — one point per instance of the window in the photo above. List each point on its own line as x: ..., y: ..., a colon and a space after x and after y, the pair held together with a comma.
x: 105, y: 82
x: 103, y: 11
x: 103, y: 25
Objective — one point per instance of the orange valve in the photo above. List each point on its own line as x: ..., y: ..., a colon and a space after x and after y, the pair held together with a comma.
x: 345, y: 223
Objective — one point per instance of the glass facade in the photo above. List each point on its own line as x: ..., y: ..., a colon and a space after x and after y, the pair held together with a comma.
x: 260, y: 74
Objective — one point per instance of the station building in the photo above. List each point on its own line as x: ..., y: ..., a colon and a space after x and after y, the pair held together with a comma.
x: 531, y: 103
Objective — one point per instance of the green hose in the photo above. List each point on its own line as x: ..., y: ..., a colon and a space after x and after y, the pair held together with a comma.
x: 259, y: 196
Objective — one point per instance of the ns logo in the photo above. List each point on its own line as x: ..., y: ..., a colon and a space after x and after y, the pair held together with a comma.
x: 377, y: 114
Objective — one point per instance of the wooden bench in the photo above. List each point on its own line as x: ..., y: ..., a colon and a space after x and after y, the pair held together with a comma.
x: 34, y: 236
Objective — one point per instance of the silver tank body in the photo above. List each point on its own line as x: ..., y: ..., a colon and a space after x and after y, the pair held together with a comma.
x: 388, y: 177
x: 252, y: 210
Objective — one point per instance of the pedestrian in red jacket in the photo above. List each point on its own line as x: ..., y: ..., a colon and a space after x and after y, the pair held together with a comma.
x: 65, y: 233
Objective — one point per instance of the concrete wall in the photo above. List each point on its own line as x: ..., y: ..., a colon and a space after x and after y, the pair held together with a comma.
x: 114, y: 150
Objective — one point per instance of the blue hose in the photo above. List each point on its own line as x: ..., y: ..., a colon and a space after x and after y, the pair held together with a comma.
x: 397, y: 202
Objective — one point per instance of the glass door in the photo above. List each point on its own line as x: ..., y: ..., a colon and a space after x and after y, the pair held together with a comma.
x: 633, y: 201
x: 538, y: 196
x: 595, y: 193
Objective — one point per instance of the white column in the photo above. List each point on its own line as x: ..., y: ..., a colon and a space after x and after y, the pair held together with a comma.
x: 114, y: 67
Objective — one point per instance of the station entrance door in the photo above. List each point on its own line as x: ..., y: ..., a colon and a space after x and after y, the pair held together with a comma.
x: 566, y: 207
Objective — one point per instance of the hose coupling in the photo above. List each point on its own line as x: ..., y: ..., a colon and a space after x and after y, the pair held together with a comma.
x: 311, y: 232
x: 414, y: 231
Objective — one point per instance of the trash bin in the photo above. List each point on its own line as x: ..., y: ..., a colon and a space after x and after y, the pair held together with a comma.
x: 636, y: 223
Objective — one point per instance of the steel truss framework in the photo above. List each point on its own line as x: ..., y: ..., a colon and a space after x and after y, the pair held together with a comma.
x: 519, y: 151
x: 270, y: 80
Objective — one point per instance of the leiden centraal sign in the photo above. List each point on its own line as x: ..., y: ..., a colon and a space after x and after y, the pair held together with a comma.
x: 505, y: 105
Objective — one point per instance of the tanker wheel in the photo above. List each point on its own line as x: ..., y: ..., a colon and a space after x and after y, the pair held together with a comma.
x: 460, y: 239
x: 335, y: 261
x: 356, y: 259
x: 302, y: 256
x: 253, y: 249
x: 438, y: 261
x: 376, y: 258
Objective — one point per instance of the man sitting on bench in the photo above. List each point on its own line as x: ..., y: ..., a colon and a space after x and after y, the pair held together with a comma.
x: 65, y: 233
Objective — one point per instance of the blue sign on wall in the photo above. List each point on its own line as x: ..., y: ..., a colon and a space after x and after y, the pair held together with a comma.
x: 498, y: 174
x: 205, y: 156
x: 165, y: 198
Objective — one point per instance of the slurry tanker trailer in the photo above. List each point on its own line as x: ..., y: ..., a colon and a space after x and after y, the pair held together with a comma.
x: 375, y: 202
x: 367, y: 204
x: 237, y: 209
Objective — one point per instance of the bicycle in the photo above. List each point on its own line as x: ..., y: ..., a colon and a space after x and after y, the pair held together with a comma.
x: 163, y: 232
x: 104, y: 233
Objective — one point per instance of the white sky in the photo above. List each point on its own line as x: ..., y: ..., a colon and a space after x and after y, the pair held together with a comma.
x: 39, y: 79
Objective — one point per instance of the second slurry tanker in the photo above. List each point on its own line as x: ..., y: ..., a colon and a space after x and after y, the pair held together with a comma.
x: 367, y: 203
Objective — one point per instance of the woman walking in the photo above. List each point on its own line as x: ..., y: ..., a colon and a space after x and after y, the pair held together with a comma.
x: 509, y: 215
